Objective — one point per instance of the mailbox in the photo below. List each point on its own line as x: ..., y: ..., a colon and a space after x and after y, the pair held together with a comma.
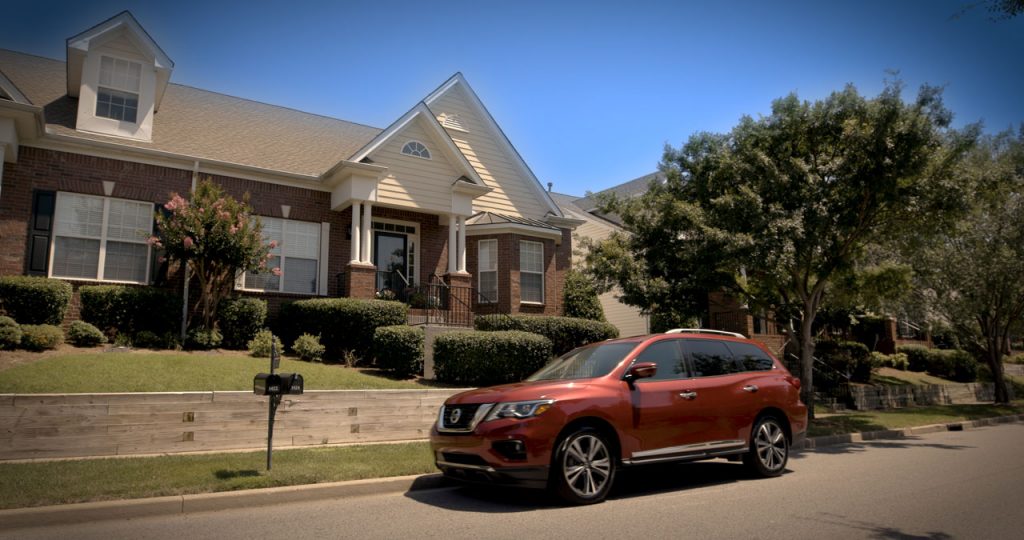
x: 275, y: 384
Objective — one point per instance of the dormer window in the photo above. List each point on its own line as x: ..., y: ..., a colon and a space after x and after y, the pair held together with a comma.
x: 118, y: 94
x: 417, y: 149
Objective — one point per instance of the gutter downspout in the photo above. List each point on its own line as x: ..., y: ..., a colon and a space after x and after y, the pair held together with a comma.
x: 184, y: 300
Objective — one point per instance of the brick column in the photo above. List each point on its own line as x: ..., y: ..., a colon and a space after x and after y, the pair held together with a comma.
x: 360, y: 280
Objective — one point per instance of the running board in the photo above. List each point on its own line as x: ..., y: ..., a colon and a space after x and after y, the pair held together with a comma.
x: 688, y: 456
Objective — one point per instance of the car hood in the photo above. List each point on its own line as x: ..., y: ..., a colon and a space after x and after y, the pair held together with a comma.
x: 523, y: 391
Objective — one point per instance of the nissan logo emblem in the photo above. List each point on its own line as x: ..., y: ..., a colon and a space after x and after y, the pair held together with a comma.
x: 454, y: 416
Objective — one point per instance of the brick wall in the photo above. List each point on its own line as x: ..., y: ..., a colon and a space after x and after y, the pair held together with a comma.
x: 557, y: 260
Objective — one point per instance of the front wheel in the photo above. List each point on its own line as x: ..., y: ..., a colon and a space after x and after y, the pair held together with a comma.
x: 769, y: 449
x: 583, y: 468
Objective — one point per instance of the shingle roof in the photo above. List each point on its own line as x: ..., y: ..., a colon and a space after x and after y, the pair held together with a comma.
x: 202, y: 124
x: 634, y: 187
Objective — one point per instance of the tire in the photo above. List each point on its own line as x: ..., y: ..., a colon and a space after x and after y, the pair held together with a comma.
x: 583, y: 467
x: 769, y: 448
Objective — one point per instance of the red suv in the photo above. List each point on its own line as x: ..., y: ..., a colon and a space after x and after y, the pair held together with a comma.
x: 684, y: 395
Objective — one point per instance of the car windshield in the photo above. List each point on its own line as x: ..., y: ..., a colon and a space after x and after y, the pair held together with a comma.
x: 585, y: 362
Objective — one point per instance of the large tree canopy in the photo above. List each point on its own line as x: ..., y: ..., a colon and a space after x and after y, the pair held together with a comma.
x: 781, y: 205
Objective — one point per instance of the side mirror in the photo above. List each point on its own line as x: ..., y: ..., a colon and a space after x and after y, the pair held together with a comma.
x: 640, y: 370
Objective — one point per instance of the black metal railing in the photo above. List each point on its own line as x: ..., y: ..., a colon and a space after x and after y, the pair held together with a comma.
x: 830, y: 384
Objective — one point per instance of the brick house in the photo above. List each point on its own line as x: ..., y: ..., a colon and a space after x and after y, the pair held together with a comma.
x: 92, y: 146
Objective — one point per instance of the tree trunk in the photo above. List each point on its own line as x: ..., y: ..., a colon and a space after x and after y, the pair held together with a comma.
x: 995, y: 363
x: 807, y: 362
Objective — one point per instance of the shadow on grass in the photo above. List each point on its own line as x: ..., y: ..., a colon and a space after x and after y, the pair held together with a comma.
x: 225, y: 474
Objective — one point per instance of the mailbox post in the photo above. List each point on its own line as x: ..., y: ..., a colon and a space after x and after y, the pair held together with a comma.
x: 274, y: 385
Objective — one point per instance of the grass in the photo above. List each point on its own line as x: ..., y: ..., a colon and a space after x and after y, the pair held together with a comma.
x: 90, y: 372
x: 896, y: 377
x: 63, y: 482
x: 854, y: 422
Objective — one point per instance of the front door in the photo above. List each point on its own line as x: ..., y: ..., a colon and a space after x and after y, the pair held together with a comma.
x: 391, y: 258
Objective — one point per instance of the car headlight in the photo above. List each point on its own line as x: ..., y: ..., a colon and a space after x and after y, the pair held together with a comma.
x: 519, y: 409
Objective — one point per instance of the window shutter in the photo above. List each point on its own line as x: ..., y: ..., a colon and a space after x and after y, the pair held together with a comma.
x: 40, y: 227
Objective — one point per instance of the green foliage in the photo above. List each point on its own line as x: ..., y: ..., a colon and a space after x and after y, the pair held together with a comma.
x: 952, y: 364
x: 565, y: 333
x: 486, y: 358
x: 83, y: 334
x: 10, y: 333
x: 399, y: 349
x: 145, y: 339
x: 40, y: 337
x: 203, y: 339
x: 34, y: 300
x: 580, y: 297
x: 260, y: 345
x: 343, y: 324
x: 116, y: 309
x: 664, y: 321
x: 847, y: 357
x: 308, y: 348
x: 917, y: 356
x: 239, y: 319
x: 218, y: 236
x: 896, y: 361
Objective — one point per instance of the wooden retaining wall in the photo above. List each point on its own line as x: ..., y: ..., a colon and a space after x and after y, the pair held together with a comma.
x: 81, y: 425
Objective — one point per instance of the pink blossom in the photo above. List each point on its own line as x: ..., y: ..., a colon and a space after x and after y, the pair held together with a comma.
x: 232, y: 229
x: 154, y: 241
x: 273, y: 244
x: 263, y: 264
x: 224, y: 215
x: 276, y: 271
x: 161, y: 260
x: 188, y: 242
x: 176, y: 203
x: 270, y: 256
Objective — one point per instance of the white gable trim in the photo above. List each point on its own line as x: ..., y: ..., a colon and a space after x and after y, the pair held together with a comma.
x: 497, y: 134
x: 141, y: 37
x: 11, y: 90
x: 448, y: 148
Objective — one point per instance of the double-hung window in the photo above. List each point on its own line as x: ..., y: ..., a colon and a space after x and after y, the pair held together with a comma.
x: 101, y: 238
x: 487, y: 271
x: 531, y: 272
x: 297, y: 254
x: 118, y: 94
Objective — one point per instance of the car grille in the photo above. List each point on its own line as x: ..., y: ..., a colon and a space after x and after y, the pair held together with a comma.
x: 458, y: 417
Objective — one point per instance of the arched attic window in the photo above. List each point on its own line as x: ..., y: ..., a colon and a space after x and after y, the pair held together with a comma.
x: 416, y: 148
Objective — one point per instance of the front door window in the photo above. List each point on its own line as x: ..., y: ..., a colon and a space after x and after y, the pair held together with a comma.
x: 391, y: 258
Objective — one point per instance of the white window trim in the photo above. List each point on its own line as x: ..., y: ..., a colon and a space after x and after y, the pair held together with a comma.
x: 480, y: 271
x: 320, y: 265
x: 138, y: 93
x: 414, y: 239
x: 425, y: 147
x: 102, y: 260
x: 521, y: 272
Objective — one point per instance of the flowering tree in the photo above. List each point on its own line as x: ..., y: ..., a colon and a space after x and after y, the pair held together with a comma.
x: 218, y: 237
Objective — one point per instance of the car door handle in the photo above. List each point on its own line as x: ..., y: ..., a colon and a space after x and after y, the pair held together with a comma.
x: 750, y: 388
x: 689, y: 394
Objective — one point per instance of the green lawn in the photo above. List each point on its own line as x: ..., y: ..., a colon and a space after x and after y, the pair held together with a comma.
x: 89, y: 372
x: 896, y: 377
x: 62, y: 482
x: 858, y: 421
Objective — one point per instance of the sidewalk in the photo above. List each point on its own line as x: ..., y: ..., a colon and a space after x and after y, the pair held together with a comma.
x: 187, y: 504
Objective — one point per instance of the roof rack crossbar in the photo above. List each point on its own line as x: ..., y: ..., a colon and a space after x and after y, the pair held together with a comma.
x: 703, y: 331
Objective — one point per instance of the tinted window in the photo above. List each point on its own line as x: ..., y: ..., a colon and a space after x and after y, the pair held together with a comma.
x: 668, y: 357
x: 585, y: 362
x: 710, y: 358
x: 751, y: 356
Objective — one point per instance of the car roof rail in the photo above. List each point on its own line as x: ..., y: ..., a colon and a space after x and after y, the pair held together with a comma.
x: 703, y: 331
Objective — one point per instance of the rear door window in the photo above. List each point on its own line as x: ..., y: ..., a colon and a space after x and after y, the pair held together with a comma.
x: 669, y: 358
x: 710, y: 357
x: 750, y: 356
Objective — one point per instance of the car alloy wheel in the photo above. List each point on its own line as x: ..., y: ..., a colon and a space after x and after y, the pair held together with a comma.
x: 585, y: 467
x: 769, y: 449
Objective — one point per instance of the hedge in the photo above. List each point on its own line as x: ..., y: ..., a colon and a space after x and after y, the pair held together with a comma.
x: 116, y: 309
x: 896, y: 361
x: 343, y: 324
x: 39, y: 337
x: 399, y: 349
x: 486, y: 358
x: 10, y: 333
x: 83, y: 334
x: 239, y: 319
x: 565, y: 333
x: 953, y: 364
x: 848, y: 357
x: 34, y: 300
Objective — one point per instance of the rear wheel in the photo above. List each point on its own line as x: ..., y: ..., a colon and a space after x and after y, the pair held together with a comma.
x: 769, y: 448
x: 584, y: 467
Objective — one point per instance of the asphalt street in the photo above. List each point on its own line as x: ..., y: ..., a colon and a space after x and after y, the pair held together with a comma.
x: 967, y: 484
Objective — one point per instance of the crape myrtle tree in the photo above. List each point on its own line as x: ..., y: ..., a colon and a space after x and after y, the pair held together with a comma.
x: 218, y: 237
x: 974, y: 274
x: 775, y: 209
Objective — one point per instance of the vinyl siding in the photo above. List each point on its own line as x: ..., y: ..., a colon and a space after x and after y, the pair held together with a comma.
x: 512, y: 193
x: 120, y: 45
x: 412, y: 182
x: 627, y: 319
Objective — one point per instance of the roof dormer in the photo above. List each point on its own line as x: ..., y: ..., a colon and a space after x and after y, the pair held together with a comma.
x: 119, y: 75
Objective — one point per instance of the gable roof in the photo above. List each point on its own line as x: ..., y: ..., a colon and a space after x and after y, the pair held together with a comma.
x: 626, y: 190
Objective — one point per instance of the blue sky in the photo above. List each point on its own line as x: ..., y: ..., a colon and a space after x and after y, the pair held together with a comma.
x: 588, y: 92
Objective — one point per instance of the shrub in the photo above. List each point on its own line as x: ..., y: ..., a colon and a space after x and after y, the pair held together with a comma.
x: 952, y: 364
x: 39, y: 337
x: 260, y: 344
x: 239, y: 319
x: 83, y: 334
x: 343, y: 324
x: 34, y: 300
x: 485, y: 358
x: 308, y: 347
x: 895, y: 361
x: 917, y: 356
x: 565, y: 333
x: 10, y: 333
x: 203, y: 339
x: 118, y: 309
x: 848, y: 357
x: 146, y: 339
x: 580, y: 298
x: 399, y: 349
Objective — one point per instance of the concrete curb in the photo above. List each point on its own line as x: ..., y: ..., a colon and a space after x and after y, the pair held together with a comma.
x: 186, y: 504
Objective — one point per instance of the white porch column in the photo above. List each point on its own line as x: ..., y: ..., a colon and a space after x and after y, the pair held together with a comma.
x: 355, y: 231
x: 367, y: 233
x: 462, y: 243
x: 452, y: 243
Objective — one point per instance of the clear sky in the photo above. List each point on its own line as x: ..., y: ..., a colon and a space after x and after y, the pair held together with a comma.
x: 589, y: 92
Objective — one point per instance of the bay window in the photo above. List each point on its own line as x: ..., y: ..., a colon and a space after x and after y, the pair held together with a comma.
x: 531, y: 272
